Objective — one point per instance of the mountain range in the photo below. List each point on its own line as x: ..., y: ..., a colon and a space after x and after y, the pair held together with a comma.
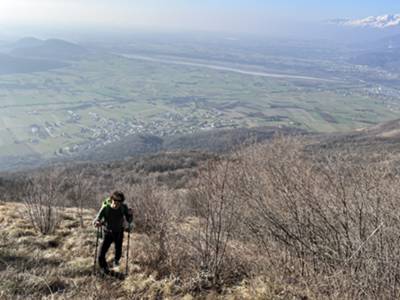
x: 49, y: 49
x: 30, y: 54
x: 384, y: 21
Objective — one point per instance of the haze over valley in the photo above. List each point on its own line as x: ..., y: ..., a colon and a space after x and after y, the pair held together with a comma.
x: 61, y: 98
x: 155, y: 71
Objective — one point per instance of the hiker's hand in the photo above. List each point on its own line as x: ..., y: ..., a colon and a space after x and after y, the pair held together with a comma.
x: 97, y: 224
x: 130, y: 227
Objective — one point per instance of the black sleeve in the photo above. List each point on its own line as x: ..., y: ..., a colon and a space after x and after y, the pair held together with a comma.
x: 100, y: 215
x: 128, y: 216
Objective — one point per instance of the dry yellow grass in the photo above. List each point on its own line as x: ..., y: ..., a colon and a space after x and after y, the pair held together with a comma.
x: 60, y: 265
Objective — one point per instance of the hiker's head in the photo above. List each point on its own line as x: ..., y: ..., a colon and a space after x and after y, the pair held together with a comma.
x: 117, y: 197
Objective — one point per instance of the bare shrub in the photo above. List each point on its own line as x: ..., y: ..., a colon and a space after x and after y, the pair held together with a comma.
x: 171, y: 247
x: 149, y: 204
x: 80, y: 192
x: 152, y: 215
x: 330, y: 214
x: 42, y: 198
x: 217, y: 205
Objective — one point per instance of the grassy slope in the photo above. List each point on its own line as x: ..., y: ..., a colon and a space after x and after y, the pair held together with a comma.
x: 59, y: 266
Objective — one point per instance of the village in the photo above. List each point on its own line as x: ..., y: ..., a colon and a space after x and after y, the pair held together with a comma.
x: 106, y: 130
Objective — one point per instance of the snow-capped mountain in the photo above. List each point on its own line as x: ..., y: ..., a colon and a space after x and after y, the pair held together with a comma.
x: 385, y: 21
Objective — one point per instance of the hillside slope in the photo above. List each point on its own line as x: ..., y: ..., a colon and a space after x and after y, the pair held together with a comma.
x: 384, y: 137
x: 60, y: 265
x: 274, y: 209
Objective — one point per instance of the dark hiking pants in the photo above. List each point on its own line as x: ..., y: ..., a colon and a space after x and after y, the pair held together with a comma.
x: 109, y: 238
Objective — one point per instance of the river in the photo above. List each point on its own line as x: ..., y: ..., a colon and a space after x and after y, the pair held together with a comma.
x: 221, y: 68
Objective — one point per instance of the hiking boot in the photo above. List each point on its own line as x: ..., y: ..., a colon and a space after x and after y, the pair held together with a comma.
x: 116, y: 264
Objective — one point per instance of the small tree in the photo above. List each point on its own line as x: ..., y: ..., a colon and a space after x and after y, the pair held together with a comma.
x: 42, y: 199
x: 216, y: 205
x: 80, y: 192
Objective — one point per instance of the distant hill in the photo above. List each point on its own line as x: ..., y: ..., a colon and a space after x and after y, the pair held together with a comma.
x: 387, y: 130
x: 10, y: 64
x: 383, y: 53
x: 26, y: 42
x: 388, y: 59
x: 215, y: 141
x: 373, y: 140
x: 49, y: 49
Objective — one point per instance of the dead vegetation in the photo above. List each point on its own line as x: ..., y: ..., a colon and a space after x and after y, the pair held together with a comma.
x: 272, y: 221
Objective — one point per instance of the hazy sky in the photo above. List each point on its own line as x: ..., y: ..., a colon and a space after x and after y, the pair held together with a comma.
x: 222, y: 15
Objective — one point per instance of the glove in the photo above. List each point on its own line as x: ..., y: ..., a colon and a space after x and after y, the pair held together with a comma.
x: 130, y: 227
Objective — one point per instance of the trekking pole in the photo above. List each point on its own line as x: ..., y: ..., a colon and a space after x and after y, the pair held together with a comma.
x: 127, y: 249
x: 95, y: 251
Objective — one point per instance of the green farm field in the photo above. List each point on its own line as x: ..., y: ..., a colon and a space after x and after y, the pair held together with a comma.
x: 95, y: 101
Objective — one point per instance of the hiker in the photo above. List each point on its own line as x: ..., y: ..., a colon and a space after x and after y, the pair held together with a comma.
x: 111, y: 217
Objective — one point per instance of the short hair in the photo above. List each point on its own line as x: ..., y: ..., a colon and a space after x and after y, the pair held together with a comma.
x: 118, y: 196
